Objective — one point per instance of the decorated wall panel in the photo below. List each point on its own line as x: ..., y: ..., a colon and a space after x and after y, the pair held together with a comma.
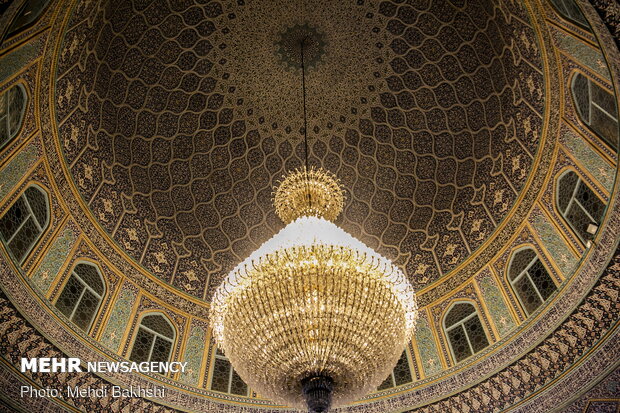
x: 387, y: 171
x: 17, y: 167
x: 55, y: 258
x: 83, y: 252
x: 495, y: 302
x: 195, y: 352
x: 586, y: 54
x: 119, y: 316
x: 467, y: 294
x: 596, y: 165
x: 569, y: 70
x: 565, y: 257
x: 38, y: 176
x: 426, y: 345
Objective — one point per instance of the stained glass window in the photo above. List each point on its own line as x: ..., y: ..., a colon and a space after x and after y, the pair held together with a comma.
x: 529, y: 279
x: 225, y: 379
x: 578, y: 204
x: 596, y: 108
x: 464, y: 331
x: 12, y: 109
x: 81, y: 296
x: 24, y: 222
x: 27, y: 15
x: 570, y: 11
x: 400, y: 375
x: 153, y: 340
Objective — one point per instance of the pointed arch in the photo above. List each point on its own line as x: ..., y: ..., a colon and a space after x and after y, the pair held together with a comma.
x: 464, y: 331
x: 25, y: 221
x: 154, y: 338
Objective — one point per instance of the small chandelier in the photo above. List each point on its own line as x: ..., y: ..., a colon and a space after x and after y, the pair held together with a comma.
x: 314, y: 317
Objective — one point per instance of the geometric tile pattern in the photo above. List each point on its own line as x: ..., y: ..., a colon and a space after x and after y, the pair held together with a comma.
x: 593, y: 317
x: 176, y: 157
x: 555, y: 354
x: 605, y: 394
x: 568, y: 341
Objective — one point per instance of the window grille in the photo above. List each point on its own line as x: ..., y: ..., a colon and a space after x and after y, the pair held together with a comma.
x: 571, y: 12
x: 154, y: 339
x: 400, y: 375
x: 24, y: 222
x: 12, y: 109
x: 225, y: 379
x: 529, y: 279
x: 81, y: 296
x: 596, y: 108
x: 579, y: 206
x: 464, y: 330
x: 27, y: 16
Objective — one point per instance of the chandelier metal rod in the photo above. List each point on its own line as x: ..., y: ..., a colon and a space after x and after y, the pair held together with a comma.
x: 303, y: 88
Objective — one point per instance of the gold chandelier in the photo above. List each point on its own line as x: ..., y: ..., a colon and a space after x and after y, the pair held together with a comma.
x: 313, y: 312
x: 314, y: 317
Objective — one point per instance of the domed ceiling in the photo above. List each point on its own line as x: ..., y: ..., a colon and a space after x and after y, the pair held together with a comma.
x: 189, y: 113
x: 158, y: 130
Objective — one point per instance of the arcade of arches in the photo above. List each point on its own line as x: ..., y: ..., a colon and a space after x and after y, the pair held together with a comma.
x: 477, y: 141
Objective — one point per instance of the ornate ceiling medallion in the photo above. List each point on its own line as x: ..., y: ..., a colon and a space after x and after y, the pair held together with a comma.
x: 289, y: 46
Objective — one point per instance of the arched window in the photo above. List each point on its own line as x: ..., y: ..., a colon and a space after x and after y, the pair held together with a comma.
x: 400, y: 375
x: 225, y: 379
x: 570, y: 11
x: 27, y: 15
x: 596, y: 108
x: 579, y: 206
x: 81, y: 297
x: 23, y: 224
x: 464, y: 330
x: 529, y: 279
x: 12, y: 109
x: 153, y: 340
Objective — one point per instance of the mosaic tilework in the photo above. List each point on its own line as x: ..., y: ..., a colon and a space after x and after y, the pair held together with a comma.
x: 191, y: 190
x: 589, y: 159
x: 569, y: 70
x: 427, y: 347
x: 537, y: 368
x: 55, y: 257
x: 553, y: 242
x: 37, y: 175
x: 27, y: 78
x: 584, y: 54
x: 603, y: 406
x: 584, y: 327
x: 17, y: 167
x: 146, y: 306
x: 119, y: 317
x: 19, y: 338
x: 438, y: 312
x: 610, y: 14
x: 602, y: 396
x: 194, y: 353
x: 386, y: 404
x: 493, y: 299
x: 14, y: 61
x: 112, y: 279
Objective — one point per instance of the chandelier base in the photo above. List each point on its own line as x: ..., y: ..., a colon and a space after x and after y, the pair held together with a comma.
x: 318, y: 393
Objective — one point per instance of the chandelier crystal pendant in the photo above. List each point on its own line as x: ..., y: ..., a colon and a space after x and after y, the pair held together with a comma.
x: 314, y: 317
x: 313, y: 313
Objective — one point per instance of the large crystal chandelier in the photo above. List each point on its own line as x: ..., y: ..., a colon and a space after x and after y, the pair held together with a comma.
x: 314, y: 317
